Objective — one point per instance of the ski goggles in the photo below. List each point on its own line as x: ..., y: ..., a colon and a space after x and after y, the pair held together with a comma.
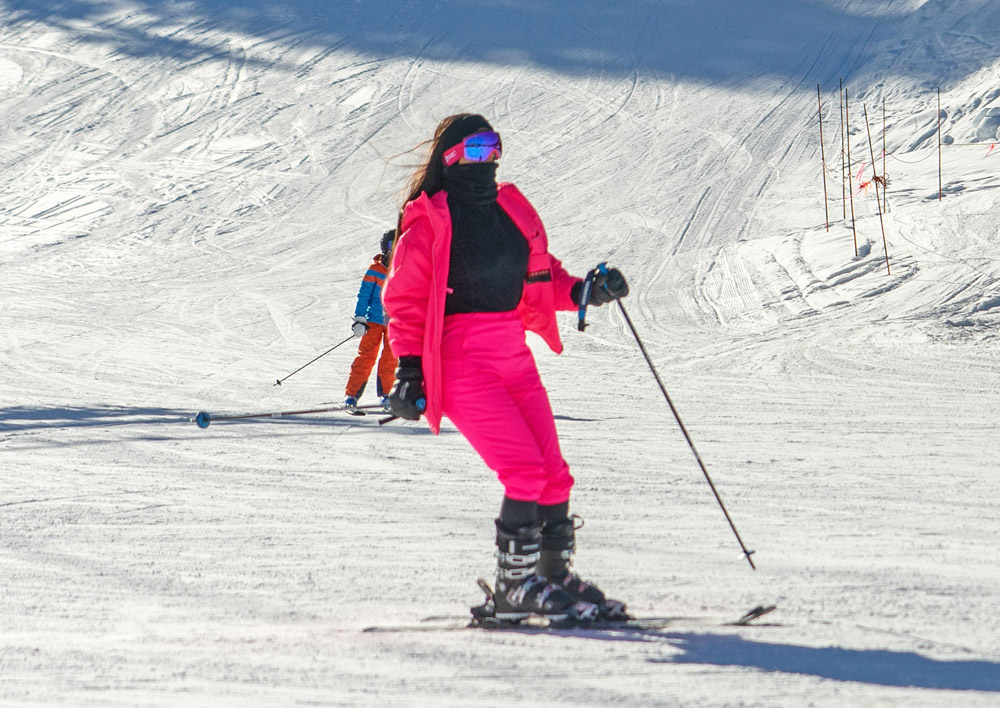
x: 480, y: 147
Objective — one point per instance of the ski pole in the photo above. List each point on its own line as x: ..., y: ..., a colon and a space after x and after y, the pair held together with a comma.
x: 686, y: 435
x: 278, y: 383
x: 204, y: 418
x: 421, y: 406
x: 603, y: 268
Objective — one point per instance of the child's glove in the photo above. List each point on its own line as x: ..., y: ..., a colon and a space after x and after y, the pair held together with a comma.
x: 360, y: 326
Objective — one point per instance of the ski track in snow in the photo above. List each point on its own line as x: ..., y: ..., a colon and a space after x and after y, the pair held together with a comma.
x: 185, y: 219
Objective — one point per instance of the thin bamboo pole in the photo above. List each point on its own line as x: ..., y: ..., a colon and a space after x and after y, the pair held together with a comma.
x: 822, y: 154
x: 940, y: 187
x: 885, y: 173
x: 878, y: 202
x: 850, y: 185
x: 843, y: 164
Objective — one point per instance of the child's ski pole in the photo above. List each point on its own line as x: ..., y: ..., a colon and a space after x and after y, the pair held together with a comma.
x: 278, y: 383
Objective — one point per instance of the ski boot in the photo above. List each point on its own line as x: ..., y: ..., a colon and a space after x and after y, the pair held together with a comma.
x: 520, y: 592
x: 351, y: 406
x: 558, y: 543
x: 384, y: 402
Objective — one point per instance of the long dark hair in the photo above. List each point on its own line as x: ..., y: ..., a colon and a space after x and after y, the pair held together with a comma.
x: 430, y: 175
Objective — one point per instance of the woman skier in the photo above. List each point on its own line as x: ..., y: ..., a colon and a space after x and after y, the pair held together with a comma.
x: 470, y: 274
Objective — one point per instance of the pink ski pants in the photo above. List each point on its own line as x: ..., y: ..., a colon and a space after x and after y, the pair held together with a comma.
x: 493, y: 394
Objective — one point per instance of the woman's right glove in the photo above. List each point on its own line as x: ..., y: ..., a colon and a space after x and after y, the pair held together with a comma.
x: 408, y: 399
x: 607, y: 287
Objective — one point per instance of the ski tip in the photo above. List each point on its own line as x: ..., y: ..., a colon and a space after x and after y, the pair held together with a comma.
x: 754, y: 614
x: 203, y: 419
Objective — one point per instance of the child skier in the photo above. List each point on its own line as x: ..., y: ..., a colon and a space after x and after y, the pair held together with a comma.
x: 370, y: 326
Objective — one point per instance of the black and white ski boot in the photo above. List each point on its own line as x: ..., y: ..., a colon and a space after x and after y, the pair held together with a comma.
x: 521, y: 592
x: 558, y: 543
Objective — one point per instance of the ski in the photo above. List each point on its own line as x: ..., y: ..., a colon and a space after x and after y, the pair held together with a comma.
x: 204, y: 418
x: 369, y: 410
x: 539, y: 625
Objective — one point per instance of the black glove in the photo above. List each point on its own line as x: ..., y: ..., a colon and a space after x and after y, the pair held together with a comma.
x: 607, y: 287
x: 407, y: 399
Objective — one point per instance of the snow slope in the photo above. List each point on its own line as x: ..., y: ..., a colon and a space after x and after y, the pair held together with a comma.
x: 189, y: 194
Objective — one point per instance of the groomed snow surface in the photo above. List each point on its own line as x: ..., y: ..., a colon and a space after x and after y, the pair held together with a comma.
x: 189, y: 195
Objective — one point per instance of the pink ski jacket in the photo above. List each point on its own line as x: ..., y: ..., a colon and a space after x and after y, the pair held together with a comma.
x: 415, y: 291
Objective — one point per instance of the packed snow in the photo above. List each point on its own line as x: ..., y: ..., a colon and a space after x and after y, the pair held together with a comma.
x: 190, y: 193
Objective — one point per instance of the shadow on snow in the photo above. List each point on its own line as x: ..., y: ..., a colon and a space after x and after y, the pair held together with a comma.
x: 708, y: 40
x: 18, y: 418
x: 22, y: 418
x: 873, y: 666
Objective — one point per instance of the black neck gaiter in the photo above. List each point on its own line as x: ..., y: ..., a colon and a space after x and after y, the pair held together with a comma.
x: 474, y: 184
x: 489, y: 256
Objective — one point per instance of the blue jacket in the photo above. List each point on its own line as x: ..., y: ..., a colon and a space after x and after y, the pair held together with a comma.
x: 370, y: 294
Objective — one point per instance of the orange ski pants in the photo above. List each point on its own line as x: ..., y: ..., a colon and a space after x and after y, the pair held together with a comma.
x: 364, y: 362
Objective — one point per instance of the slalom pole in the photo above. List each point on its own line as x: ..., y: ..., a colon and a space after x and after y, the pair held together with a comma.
x: 822, y: 155
x: 204, y: 418
x: 940, y: 188
x: 843, y: 164
x: 885, y: 174
x: 878, y: 202
x: 588, y: 283
x: 850, y: 185
x: 278, y: 382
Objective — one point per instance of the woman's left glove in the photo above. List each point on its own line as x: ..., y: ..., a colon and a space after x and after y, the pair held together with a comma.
x: 408, y: 399
x: 608, y: 286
